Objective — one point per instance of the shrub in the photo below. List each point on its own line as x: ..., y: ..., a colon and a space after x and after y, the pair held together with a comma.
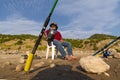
x: 118, y: 50
x: 19, y: 42
x: 29, y: 46
x: 80, y: 46
x: 95, y: 47
x: 42, y: 47
x: 86, y: 42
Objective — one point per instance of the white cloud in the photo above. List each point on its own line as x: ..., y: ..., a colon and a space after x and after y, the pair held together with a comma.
x: 89, y: 17
x: 85, y: 17
x: 19, y: 25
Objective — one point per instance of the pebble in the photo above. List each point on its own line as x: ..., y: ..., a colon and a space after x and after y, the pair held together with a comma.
x: 106, y: 74
x: 52, y: 65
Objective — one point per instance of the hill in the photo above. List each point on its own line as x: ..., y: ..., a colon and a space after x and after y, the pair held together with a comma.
x: 102, y: 36
x: 27, y: 41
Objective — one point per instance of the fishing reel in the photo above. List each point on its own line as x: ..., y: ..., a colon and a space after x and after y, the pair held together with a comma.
x: 51, y: 34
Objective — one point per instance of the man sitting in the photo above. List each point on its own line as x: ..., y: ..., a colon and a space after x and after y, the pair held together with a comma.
x: 58, y: 42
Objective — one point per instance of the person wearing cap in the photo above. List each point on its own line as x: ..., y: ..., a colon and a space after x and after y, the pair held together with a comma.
x: 59, y: 43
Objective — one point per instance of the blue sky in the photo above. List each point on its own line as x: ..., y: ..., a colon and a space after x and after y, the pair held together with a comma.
x: 75, y: 18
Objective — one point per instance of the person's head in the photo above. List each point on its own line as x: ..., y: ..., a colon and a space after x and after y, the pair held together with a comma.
x: 54, y: 26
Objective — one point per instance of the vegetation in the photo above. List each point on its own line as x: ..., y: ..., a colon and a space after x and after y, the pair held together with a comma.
x: 95, y: 47
x: 21, y: 40
x: 7, y: 37
x: 100, y: 37
x: 118, y: 50
x: 76, y: 43
x: 29, y: 46
x: 42, y: 47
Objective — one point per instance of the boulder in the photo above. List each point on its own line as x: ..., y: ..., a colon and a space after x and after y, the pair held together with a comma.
x: 93, y: 64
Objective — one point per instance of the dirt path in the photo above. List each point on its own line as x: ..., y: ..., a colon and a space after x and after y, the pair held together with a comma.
x: 64, y: 70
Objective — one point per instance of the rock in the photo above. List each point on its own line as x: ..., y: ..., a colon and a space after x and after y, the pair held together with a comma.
x: 117, y: 55
x: 15, y: 52
x: 106, y: 74
x: 93, y: 64
x: 27, y: 53
x: 50, y: 61
x: 113, y: 51
x: 3, y: 51
x: 31, y: 69
x: 38, y: 64
x: 22, y: 60
x: 19, y: 67
x: 110, y: 57
x: 37, y: 57
x: 6, y: 64
x: 25, y: 56
x: 52, y: 65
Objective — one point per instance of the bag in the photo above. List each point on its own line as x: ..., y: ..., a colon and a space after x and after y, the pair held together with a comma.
x: 106, y: 54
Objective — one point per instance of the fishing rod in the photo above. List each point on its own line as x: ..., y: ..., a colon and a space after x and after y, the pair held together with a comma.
x: 31, y: 55
x: 107, y: 45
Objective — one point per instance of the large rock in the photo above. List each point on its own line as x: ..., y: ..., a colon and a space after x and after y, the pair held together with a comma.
x: 93, y: 64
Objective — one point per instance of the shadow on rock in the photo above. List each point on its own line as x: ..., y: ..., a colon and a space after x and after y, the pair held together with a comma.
x: 60, y: 72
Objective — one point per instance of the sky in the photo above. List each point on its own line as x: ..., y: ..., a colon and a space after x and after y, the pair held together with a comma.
x: 76, y: 19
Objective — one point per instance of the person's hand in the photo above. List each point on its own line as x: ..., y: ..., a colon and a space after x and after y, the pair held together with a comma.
x: 44, y: 35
